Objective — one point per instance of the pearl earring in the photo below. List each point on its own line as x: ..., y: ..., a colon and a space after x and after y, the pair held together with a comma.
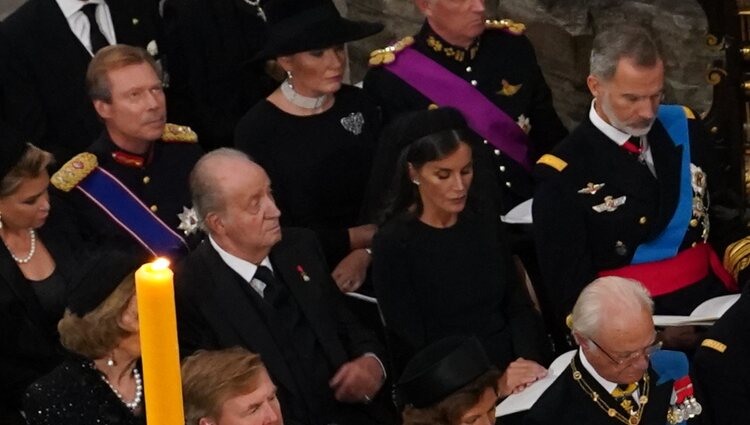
x: 110, y: 361
x: 415, y: 181
x: 1, y: 220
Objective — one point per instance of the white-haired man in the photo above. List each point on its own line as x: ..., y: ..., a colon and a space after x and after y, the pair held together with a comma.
x: 619, y: 374
x: 258, y: 286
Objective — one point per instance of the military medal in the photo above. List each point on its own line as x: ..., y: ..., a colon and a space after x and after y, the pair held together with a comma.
x: 188, y: 221
x: 684, y: 406
x: 591, y: 188
x: 610, y: 204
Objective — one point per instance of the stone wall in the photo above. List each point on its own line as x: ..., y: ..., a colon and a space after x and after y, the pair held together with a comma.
x: 562, y: 31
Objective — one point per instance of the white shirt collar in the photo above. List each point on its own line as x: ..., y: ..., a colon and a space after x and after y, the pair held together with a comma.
x: 607, y: 385
x: 69, y: 7
x: 243, y: 268
x: 614, y: 134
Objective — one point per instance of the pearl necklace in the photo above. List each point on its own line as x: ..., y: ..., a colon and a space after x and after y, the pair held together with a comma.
x: 138, y: 390
x: 304, y: 102
x: 32, y: 249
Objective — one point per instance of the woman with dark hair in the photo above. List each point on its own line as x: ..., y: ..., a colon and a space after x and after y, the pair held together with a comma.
x: 314, y: 135
x: 36, y: 265
x: 450, y: 382
x: 440, y: 264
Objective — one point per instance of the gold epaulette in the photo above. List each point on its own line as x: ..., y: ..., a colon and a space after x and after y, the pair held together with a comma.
x: 75, y: 170
x: 737, y: 256
x: 174, y: 133
x: 688, y: 113
x: 553, y: 161
x: 506, y: 25
x: 388, y: 54
x: 714, y: 344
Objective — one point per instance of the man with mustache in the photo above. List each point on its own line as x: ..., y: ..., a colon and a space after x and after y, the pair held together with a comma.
x: 626, y: 193
x: 132, y: 181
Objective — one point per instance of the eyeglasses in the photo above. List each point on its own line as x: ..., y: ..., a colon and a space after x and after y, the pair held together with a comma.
x: 647, y: 352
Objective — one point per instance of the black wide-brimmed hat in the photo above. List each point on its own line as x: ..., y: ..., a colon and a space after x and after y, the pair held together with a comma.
x: 441, y: 369
x: 12, y: 148
x: 301, y: 25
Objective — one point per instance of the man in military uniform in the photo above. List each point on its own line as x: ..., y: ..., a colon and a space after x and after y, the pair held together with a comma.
x: 721, y: 368
x: 618, y: 375
x: 627, y: 192
x: 487, y: 70
x: 134, y: 195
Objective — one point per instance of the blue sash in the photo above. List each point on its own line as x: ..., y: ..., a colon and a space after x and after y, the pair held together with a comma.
x: 667, y: 244
x: 120, y: 204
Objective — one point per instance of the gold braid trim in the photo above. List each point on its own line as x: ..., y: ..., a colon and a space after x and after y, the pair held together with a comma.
x: 174, y: 133
x: 74, y: 171
x: 508, y: 25
x: 634, y: 419
x: 737, y: 256
x: 388, y: 54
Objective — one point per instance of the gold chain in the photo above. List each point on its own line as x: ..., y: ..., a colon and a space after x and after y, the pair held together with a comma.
x: 635, y: 418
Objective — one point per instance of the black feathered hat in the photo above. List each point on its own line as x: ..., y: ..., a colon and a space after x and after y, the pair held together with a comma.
x: 12, y: 148
x: 98, y: 279
x: 301, y: 25
x: 441, y: 369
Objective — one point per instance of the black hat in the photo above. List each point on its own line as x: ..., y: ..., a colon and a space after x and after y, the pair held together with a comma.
x: 441, y: 369
x: 301, y: 25
x: 100, y: 276
x: 12, y: 148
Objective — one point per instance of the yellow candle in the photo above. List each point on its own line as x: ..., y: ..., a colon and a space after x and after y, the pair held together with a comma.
x: 159, y: 350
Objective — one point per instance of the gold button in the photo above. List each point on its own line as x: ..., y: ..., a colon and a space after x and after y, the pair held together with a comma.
x: 497, y: 152
x: 643, y: 220
x: 468, y: 69
x: 432, y: 106
x: 485, y: 141
x: 693, y: 223
x: 146, y: 180
x: 502, y: 168
x: 474, y: 83
x: 154, y: 208
x: 507, y: 184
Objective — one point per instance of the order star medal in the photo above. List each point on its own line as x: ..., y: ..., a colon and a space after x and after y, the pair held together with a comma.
x: 188, y: 221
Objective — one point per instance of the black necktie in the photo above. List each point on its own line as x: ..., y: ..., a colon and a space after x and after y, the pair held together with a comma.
x: 95, y: 35
x: 272, y: 291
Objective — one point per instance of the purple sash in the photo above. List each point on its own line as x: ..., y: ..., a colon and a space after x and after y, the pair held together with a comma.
x: 446, y: 89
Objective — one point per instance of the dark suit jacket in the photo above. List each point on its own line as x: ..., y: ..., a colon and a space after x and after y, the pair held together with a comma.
x: 214, y: 311
x: 565, y: 403
x: 574, y: 242
x: 45, y: 82
x: 30, y: 344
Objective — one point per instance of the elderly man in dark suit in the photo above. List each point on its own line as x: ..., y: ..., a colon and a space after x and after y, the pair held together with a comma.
x: 51, y: 43
x: 247, y: 286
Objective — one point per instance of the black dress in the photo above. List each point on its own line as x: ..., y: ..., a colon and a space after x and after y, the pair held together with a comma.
x: 29, y: 343
x: 319, y: 165
x: 432, y: 283
x: 75, y: 394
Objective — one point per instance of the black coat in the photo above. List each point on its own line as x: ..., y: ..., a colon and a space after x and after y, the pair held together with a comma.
x: 215, y: 312
x: 722, y: 371
x: 565, y: 403
x: 45, y: 82
x: 213, y: 82
x: 499, y: 57
x: 574, y: 242
x: 30, y: 344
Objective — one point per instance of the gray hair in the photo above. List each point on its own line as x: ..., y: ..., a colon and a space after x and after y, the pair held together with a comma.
x: 607, y: 296
x: 622, y: 41
x: 204, y: 189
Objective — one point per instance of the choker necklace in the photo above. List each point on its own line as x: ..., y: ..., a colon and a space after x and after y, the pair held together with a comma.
x: 302, y: 101
x: 634, y: 415
x: 138, y: 390
x: 32, y: 249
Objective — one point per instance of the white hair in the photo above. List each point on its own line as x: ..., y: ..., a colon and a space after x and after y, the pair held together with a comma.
x: 607, y: 296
